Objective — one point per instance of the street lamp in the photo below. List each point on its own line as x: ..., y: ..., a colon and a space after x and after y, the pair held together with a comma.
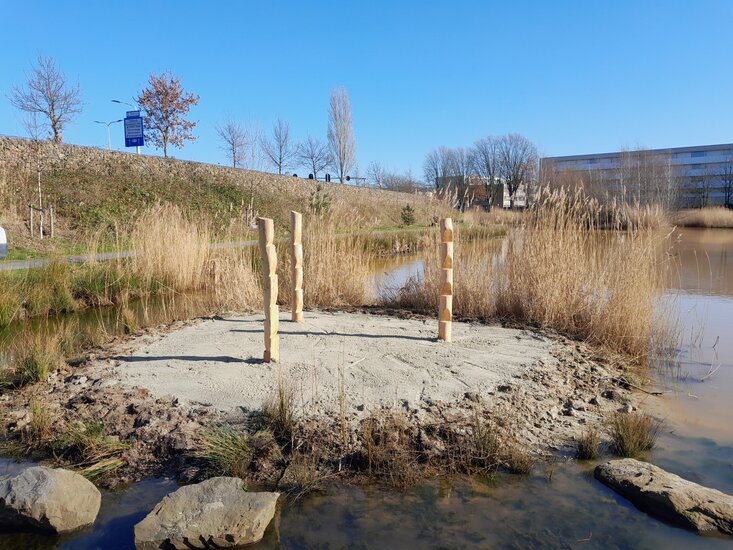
x: 109, y: 136
x: 137, y: 107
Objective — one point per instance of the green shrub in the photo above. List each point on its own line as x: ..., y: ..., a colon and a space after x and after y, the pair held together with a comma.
x: 408, y: 215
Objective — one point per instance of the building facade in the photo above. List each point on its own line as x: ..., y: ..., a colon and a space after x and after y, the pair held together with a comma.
x: 687, y: 177
x: 477, y: 192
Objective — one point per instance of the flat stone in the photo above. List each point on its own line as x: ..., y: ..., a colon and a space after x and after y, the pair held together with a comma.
x: 217, y: 513
x: 48, y: 499
x: 667, y: 496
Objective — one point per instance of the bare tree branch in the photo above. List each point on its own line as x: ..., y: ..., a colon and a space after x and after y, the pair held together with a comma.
x: 314, y: 154
x: 279, y: 149
x: 233, y: 137
x: 47, y: 93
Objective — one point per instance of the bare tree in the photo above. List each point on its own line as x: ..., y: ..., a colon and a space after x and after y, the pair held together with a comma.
x: 460, y: 161
x: 401, y: 182
x: 314, y: 154
x: 376, y: 173
x: 33, y: 127
x: 438, y: 164
x: 518, y: 160
x: 341, y: 139
x: 47, y: 93
x: 279, y: 149
x: 726, y: 176
x: 233, y: 137
x: 166, y: 104
x: 486, y: 164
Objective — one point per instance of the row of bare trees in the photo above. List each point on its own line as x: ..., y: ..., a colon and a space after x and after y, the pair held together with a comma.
x: 281, y: 152
x: 511, y: 159
x: 49, y: 100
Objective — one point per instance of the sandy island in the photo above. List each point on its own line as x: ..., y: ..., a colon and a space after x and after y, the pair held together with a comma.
x: 161, y: 389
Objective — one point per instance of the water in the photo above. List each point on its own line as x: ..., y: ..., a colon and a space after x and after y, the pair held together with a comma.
x: 560, y: 506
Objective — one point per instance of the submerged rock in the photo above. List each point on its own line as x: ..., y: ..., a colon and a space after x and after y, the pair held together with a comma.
x: 668, y: 496
x: 48, y: 499
x: 217, y: 513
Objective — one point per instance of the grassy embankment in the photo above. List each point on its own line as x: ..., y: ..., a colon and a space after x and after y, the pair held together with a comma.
x: 98, y: 202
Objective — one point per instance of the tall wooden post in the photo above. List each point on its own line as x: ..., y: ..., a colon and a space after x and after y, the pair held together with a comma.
x: 268, y: 254
x: 296, y: 262
x: 445, y: 312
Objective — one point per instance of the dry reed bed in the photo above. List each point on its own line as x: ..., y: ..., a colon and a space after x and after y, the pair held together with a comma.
x: 561, y: 271
x: 711, y: 216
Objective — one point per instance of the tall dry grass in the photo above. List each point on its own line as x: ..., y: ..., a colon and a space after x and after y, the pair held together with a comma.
x: 170, y: 250
x: 711, y: 216
x: 562, y: 271
x: 336, y: 266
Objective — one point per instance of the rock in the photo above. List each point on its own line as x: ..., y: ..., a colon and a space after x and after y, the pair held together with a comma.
x: 48, y: 499
x: 217, y: 513
x: 668, y: 496
x: 552, y: 413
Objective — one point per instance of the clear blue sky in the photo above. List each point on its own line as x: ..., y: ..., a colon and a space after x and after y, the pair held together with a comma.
x: 574, y: 77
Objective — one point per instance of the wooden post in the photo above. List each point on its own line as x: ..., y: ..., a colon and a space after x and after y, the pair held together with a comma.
x: 445, y: 312
x: 296, y: 260
x: 268, y: 254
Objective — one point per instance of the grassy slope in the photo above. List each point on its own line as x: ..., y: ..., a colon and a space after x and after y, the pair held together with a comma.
x: 98, y: 199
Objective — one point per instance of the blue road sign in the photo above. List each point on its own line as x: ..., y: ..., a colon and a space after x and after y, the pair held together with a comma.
x: 134, y: 129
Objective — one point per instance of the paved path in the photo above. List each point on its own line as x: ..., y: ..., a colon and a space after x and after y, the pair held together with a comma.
x: 13, y: 265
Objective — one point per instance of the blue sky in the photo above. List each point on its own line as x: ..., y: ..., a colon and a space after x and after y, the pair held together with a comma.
x: 574, y: 77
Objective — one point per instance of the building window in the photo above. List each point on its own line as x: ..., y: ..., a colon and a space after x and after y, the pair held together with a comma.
x: 697, y: 154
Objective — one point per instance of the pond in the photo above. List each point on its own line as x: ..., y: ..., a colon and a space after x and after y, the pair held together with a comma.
x: 560, y: 505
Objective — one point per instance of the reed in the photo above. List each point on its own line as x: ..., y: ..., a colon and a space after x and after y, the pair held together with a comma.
x: 170, y: 250
x: 710, y: 216
x: 561, y: 270
x: 336, y: 267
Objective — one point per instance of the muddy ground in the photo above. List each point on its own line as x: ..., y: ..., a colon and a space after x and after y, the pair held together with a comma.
x: 162, y: 389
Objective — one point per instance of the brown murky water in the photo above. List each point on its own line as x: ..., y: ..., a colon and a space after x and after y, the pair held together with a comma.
x: 559, y: 507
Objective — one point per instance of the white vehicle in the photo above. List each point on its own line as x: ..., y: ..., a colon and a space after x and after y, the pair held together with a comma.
x: 3, y: 244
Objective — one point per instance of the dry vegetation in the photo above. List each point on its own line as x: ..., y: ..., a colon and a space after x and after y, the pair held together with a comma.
x: 633, y: 433
x: 711, y: 216
x: 561, y: 271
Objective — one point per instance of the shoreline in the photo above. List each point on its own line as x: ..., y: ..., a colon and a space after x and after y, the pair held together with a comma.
x: 536, y: 411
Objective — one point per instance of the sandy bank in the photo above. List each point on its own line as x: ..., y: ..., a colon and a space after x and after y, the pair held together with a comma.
x: 376, y: 361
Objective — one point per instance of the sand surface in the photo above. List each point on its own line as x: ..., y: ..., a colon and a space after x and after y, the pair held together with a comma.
x: 372, y: 360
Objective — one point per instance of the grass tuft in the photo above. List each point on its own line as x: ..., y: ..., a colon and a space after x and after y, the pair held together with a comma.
x: 588, y: 443
x: 226, y: 451
x: 633, y: 433
x: 279, y: 411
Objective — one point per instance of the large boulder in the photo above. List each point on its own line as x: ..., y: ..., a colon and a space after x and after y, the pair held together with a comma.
x: 218, y: 513
x: 48, y: 499
x: 668, y: 496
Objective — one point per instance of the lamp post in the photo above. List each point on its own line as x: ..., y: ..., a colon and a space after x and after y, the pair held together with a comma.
x: 109, y: 135
x: 137, y: 107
